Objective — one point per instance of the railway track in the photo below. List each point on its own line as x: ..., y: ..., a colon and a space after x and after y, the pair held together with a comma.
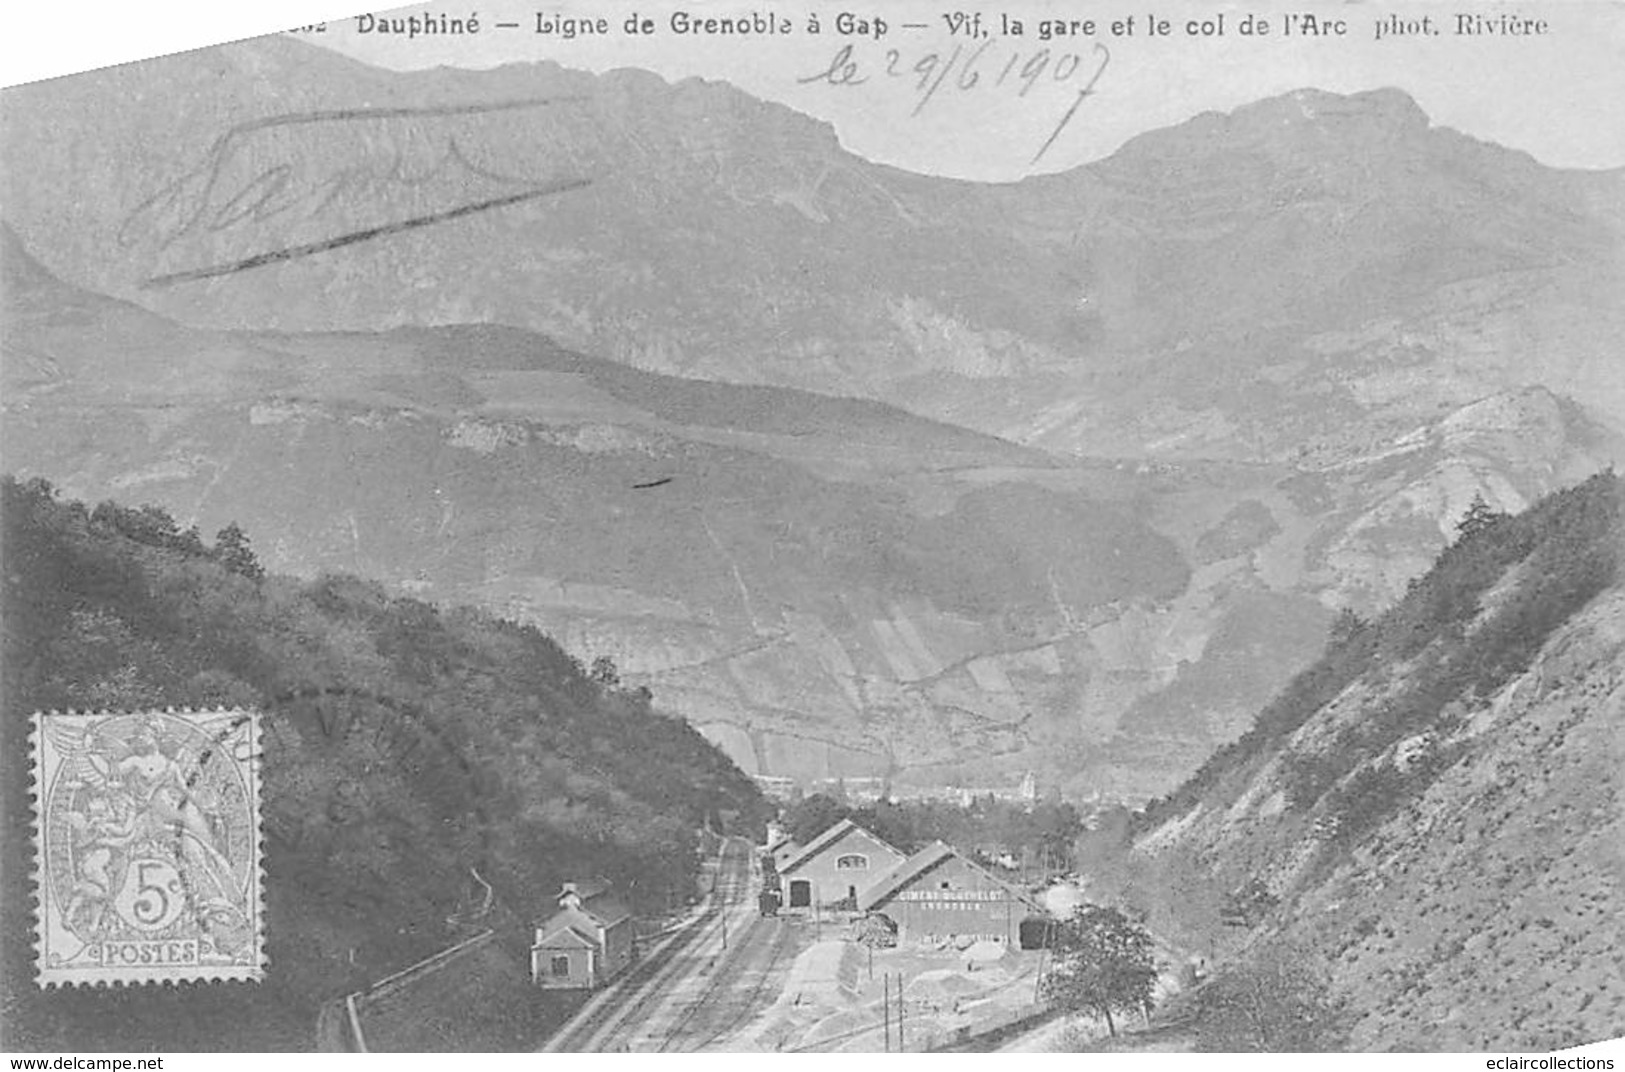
x: 764, y: 948
x: 635, y: 995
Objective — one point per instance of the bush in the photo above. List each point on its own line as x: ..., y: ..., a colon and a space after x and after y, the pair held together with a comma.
x: 1275, y: 1004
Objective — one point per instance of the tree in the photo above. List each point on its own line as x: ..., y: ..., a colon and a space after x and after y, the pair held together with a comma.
x: 889, y: 822
x: 1346, y: 627
x: 1055, y: 828
x: 231, y: 548
x: 1276, y: 1004
x: 1103, y: 961
x: 1478, y: 518
x: 605, y: 672
x: 812, y: 816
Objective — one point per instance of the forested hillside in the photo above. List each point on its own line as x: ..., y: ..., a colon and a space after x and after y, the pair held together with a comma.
x: 405, y: 749
x: 1418, y: 843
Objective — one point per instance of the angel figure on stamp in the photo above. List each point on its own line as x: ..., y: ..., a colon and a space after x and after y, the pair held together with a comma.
x: 183, y: 816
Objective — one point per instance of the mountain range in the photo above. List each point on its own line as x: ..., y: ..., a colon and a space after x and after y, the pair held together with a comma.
x: 1299, y: 278
x: 860, y: 471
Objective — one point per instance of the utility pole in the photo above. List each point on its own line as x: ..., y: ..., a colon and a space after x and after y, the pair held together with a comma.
x: 902, y: 1047
x: 725, y: 891
x: 886, y: 1004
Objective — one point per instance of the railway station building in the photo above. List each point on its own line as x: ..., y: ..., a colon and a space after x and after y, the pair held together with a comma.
x: 835, y: 867
x: 587, y: 942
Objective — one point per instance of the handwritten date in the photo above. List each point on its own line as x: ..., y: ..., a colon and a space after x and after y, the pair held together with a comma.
x: 966, y: 69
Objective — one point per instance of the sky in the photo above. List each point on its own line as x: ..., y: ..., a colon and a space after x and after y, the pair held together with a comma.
x: 1018, y: 108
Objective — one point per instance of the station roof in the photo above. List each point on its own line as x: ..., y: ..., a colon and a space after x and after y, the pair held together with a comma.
x: 564, y: 936
x: 933, y: 855
x: 828, y: 838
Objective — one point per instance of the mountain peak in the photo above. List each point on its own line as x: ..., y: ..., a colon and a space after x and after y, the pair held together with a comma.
x: 1386, y: 107
x: 1303, y: 119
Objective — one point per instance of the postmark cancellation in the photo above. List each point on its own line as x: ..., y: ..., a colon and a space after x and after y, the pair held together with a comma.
x: 148, y: 846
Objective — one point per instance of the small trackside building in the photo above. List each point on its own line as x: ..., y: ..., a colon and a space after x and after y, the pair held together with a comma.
x: 586, y: 943
x: 834, y: 867
x: 938, y: 895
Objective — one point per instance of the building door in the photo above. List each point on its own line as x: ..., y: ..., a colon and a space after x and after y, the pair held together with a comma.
x: 800, y: 893
x: 852, y: 894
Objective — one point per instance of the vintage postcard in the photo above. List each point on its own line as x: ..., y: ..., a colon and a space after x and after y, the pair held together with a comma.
x: 669, y: 527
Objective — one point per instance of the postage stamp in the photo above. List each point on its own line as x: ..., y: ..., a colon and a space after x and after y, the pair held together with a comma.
x: 147, y: 843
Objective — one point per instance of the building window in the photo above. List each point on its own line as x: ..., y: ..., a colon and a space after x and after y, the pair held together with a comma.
x: 852, y: 861
x: 947, y: 885
x: 561, y: 967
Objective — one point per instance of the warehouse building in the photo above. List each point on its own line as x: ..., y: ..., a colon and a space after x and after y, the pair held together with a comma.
x: 937, y: 895
x: 834, y: 867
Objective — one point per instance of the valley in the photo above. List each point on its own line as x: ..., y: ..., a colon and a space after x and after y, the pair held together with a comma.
x: 1211, y: 551
x: 1079, y: 509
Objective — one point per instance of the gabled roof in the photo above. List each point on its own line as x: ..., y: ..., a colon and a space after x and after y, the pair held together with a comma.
x: 912, y: 868
x: 902, y: 874
x: 565, y: 936
x: 606, y: 910
x: 825, y: 840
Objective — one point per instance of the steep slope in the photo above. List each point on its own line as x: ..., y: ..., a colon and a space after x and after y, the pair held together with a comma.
x: 406, y: 753
x: 1432, y: 812
x: 1305, y: 276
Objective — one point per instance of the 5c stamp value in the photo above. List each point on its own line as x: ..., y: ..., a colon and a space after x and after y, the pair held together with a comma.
x: 147, y: 843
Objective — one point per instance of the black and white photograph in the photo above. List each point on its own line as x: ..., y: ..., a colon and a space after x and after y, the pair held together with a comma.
x: 714, y: 526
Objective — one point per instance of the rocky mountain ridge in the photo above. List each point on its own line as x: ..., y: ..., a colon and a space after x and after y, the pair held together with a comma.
x: 825, y: 586
x: 1290, y: 282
